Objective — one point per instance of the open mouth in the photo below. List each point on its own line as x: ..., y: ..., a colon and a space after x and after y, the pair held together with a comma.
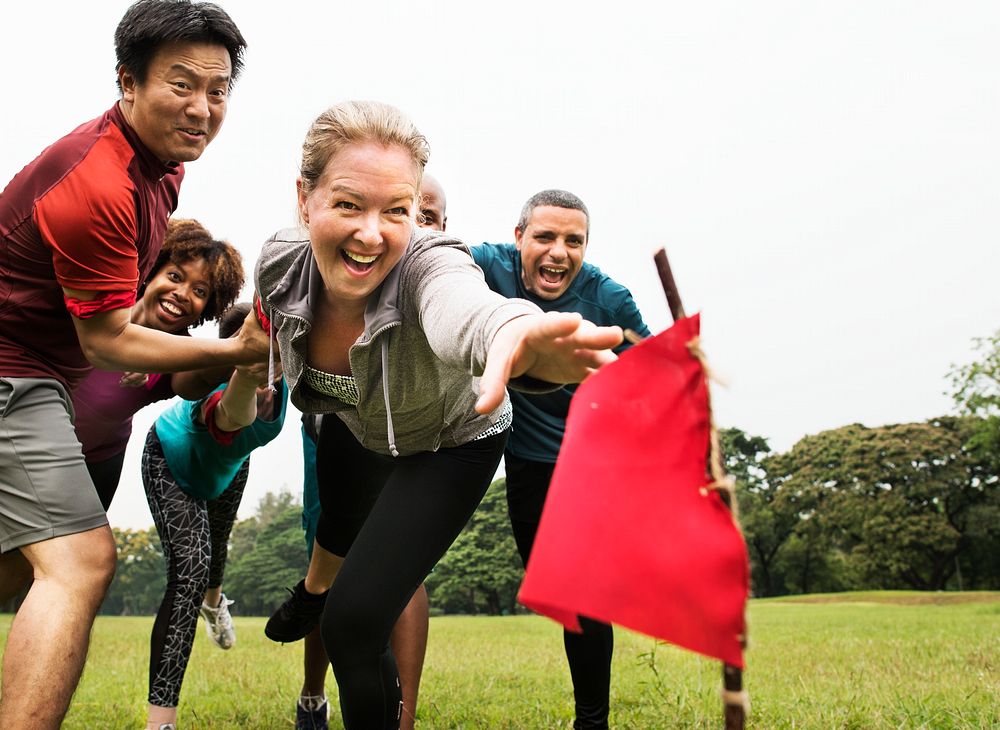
x: 193, y: 132
x: 357, y: 262
x: 171, y: 308
x: 552, y: 276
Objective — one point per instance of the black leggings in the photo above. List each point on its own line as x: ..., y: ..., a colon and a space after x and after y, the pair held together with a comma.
x: 106, y: 474
x: 589, y: 653
x: 195, y: 536
x: 391, y: 520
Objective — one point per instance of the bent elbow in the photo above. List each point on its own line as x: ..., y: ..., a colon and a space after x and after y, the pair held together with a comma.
x: 100, y: 357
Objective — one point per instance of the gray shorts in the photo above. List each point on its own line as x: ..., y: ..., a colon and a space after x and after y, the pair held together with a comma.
x: 45, y: 489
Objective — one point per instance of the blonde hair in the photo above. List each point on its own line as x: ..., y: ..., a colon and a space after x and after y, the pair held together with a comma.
x: 353, y: 122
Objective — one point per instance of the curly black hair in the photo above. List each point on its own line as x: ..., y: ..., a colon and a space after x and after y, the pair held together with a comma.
x: 187, y: 240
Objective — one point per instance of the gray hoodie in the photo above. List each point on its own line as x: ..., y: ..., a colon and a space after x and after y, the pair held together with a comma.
x: 428, y: 328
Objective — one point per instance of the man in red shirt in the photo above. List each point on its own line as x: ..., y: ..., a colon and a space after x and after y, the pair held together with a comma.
x: 80, y: 228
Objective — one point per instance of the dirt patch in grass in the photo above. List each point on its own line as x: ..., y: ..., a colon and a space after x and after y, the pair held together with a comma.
x: 901, y: 598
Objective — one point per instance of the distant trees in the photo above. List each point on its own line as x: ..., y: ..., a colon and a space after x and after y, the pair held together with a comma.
x: 481, y: 572
x: 904, y: 506
x: 140, y: 577
x: 267, y: 554
x: 767, y: 523
x: 975, y: 389
x: 913, y: 505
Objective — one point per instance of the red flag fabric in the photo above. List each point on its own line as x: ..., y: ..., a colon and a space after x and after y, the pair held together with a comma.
x: 629, y: 534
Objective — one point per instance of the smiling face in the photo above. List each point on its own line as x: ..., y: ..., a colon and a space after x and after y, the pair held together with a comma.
x: 181, y: 105
x: 552, y: 245
x: 175, y: 297
x: 359, y: 216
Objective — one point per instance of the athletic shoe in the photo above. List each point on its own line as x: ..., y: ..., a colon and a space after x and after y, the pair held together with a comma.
x: 312, y: 719
x: 297, y: 616
x: 219, y: 623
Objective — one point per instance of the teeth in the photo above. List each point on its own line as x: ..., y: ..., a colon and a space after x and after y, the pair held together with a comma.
x: 172, y: 308
x: 553, y: 271
x: 359, y: 258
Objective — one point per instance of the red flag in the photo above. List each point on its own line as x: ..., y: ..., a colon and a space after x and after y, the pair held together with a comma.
x: 629, y: 534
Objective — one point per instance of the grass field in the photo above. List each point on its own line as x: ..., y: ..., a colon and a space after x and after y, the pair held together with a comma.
x: 859, y: 660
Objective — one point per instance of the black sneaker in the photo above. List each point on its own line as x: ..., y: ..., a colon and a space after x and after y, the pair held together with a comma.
x: 312, y: 719
x: 297, y: 616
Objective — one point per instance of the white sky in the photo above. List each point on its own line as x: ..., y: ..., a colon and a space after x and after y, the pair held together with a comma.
x: 825, y: 176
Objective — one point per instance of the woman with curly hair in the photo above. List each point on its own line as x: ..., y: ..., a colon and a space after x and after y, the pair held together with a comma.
x: 196, y: 278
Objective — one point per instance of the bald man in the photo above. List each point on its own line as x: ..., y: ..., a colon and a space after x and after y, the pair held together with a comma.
x: 433, y: 205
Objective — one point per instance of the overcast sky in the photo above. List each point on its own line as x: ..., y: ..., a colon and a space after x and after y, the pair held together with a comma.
x: 825, y: 177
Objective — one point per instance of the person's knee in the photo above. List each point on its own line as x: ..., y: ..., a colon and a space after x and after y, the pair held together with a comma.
x: 347, y: 630
x: 82, y: 564
x: 97, y: 566
x: 191, y: 584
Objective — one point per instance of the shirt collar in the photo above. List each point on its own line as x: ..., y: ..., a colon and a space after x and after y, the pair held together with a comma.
x: 149, y: 163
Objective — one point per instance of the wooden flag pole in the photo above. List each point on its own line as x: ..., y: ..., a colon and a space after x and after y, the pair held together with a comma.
x: 669, y: 285
x: 733, y: 697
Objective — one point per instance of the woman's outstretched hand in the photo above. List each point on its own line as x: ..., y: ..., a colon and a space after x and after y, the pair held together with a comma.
x: 557, y: 347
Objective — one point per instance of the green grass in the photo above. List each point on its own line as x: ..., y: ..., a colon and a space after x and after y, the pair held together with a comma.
x: 862, y: 660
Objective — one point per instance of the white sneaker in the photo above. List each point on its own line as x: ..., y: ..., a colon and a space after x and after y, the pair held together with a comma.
x: 219, y: 623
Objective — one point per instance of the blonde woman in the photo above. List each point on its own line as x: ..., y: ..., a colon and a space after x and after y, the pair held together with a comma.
x: 393, y: 330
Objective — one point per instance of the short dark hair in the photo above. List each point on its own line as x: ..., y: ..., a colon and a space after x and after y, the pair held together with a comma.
x: 148, y: 24
x: 555, y: 198
x: 232, y: 320
x: 187, y: 240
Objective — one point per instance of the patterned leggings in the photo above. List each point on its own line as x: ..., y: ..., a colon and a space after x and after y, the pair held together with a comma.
x: 194, y: 535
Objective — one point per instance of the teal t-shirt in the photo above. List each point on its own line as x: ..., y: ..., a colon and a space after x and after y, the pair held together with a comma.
x: 540, y: 419
x: 203, y: 467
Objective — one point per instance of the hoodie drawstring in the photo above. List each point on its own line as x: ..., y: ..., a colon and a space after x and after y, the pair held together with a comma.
x: 385, y: 394
x: 270, y: 357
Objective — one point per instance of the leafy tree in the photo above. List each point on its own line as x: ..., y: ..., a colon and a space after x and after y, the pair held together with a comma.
x: 743, y: 455
x: 767, y: 516
x: 140, y: 576
x: 481, y: 571
x: 267, y: 555
x: 975, y: 388
x: 810, y: 562
x: 902, y: 501
x: 272, y: 506
x: 976, y: 385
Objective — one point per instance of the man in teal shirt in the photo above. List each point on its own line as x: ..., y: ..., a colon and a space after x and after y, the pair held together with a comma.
x: 546, y: 266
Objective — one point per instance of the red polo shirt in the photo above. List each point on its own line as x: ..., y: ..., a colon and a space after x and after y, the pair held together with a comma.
x: 89, y: 213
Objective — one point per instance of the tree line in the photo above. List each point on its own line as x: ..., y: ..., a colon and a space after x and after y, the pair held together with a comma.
x: 904, y: 506
x: 912, y: 505
x: 267, y: 555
